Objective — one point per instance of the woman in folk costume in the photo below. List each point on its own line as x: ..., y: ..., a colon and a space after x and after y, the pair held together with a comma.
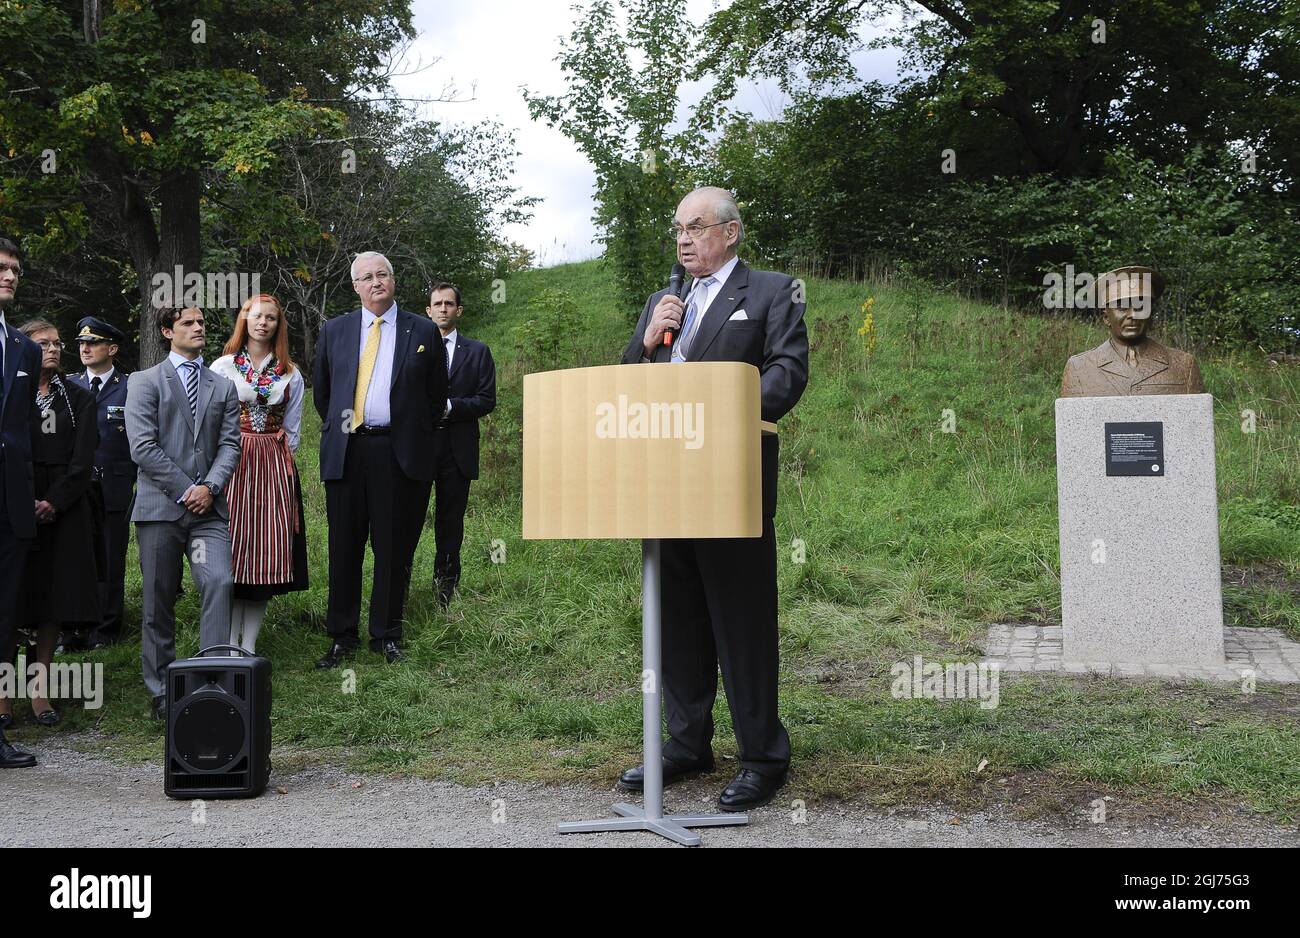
x: 268, y: 537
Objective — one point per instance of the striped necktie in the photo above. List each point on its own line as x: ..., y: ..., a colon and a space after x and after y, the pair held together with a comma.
x: 690, y: 324
x: 192, y: 387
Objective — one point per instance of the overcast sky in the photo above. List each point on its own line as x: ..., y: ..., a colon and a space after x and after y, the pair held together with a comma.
x: 488, y: 49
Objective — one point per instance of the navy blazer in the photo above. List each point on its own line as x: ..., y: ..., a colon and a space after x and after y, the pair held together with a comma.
x: 771, y: 336
x: 18, y: 423
x: 113, y: 455
x: 416, y: 397
x: 473, y: 395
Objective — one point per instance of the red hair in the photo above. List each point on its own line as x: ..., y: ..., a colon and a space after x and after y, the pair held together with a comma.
x: 279, y: 342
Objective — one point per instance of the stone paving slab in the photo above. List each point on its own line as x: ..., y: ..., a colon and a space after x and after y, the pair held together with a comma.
x: 1267, y: 653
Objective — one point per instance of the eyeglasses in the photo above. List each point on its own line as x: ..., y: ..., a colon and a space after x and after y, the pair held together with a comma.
x: 692, y: 231
x: 371, y: 278
x: 12, y: 268
x: 47, y: 345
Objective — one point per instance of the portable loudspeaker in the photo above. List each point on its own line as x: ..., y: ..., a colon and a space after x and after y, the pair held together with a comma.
x: 218, y: 726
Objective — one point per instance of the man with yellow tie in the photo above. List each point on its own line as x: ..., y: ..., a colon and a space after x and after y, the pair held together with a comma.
x: 380, y: 385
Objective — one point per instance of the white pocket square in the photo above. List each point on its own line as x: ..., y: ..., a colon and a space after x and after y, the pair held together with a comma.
x: 21, y: 374
x: 738, y: 314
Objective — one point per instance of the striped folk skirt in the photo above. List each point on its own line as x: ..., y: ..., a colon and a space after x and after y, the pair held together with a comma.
x: 266, y: 520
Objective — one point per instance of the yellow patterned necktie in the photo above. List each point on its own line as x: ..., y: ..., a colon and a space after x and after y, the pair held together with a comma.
x: 367, y: 367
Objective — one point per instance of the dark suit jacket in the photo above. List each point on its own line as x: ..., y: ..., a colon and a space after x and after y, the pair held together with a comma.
x: 473, y: 395
x: 772, y: 337
x: 68, y: 452
x: 113, y: 455
x: 417, y: 395
x: 18, y: 424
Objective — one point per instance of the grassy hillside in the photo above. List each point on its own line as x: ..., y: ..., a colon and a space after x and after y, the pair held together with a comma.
x: 915, y: 540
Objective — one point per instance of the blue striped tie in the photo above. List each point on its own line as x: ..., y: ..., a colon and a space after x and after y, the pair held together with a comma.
x: 192, y: 387
x: 688, y: 325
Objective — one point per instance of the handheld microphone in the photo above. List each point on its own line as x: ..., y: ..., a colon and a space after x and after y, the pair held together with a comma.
x: 675, y: 288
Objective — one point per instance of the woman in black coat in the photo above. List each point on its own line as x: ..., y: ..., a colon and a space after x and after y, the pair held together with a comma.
x: 60, y: 584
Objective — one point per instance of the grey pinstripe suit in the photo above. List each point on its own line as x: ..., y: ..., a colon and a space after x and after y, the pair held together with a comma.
x: 172, y: 453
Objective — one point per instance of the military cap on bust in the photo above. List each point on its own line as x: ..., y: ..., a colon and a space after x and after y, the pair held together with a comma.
x: 1137, y: 286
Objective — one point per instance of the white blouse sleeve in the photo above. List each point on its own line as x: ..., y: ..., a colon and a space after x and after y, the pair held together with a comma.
x: 293, y: 413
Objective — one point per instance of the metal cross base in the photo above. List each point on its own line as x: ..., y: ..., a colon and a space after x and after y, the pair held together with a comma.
x: 633, y: 818
x: 651, y: 817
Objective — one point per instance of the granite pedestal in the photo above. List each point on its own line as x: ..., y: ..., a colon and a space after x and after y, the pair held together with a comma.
x: 1140, y: 579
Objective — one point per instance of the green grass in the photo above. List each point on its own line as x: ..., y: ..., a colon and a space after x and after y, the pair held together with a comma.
x: 915, y: 540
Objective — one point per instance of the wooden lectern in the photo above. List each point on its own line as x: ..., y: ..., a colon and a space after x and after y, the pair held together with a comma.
x: 627, y: 451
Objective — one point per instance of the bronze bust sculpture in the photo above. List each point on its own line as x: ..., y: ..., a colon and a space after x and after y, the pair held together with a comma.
x: 1130, y: 362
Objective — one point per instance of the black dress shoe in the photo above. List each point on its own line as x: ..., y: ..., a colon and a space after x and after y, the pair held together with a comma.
x: 634, y: 779
x: 158, y: 708
x: 48, y: 717
x: 334, y: 657
x: 6, y: 721
x: 11, y: 758
x: 392, y: 651
x: 749, y: 790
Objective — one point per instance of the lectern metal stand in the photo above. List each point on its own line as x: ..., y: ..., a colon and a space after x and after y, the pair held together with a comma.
x: 650, y: 817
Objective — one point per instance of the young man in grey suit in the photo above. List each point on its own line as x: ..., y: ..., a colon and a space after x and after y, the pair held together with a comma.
x: 719, y: 595
x: 182, y: 421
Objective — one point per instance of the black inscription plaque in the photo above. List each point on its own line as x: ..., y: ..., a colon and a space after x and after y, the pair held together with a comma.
x: 1135, y: 449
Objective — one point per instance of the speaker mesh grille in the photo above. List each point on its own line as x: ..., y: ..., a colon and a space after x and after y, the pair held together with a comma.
x: 231, y: 780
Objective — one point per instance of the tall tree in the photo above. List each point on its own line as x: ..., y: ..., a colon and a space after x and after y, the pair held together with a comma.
x: 619, y: 108
x: 1071, y: 80
x: 141, y: 104
x: 431, y: 198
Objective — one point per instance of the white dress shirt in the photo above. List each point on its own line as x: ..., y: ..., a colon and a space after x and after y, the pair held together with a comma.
x: 703, y: 299
x: 103, y: 379
x: 177, y: 360
x: 449, y: 343
x: 378, y: 412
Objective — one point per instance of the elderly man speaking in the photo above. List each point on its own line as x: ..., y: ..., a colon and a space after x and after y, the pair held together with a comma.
x: 719, y: 595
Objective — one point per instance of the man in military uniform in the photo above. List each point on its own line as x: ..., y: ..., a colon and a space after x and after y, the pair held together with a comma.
x: 1130, y: 362
x: 99, y: 342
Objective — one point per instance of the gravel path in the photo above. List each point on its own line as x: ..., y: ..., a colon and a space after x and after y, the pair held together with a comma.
x: 75, y: 799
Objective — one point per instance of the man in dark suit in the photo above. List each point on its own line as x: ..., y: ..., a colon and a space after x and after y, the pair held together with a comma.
x: 380, y: 385
x: 718, y: 596
x: 98, y: 342
x: 20, y: 369
x: 473, y: 394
